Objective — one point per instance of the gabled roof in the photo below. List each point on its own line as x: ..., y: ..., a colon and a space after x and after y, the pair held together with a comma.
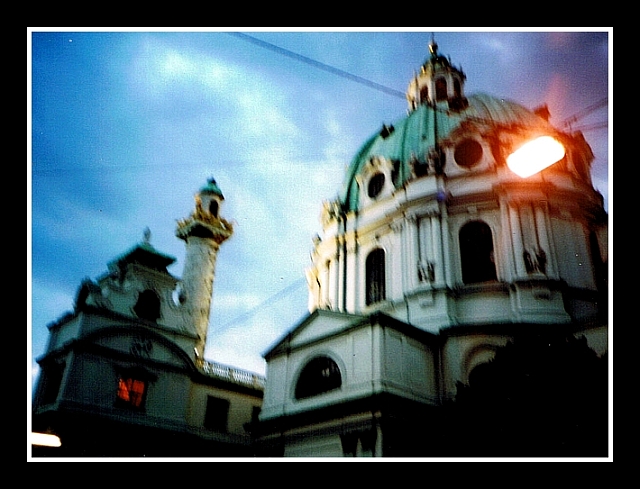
x: 314, y: 326
x: 321, y: 324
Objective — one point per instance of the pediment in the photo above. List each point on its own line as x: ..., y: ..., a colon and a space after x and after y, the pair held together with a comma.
x: 142, y: 344
x: 317, y: 325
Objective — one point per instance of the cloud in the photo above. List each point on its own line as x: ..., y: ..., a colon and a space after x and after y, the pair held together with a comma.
x: 250, y: 335
x: 501, y: 47
x: 136, y: 131
x: 556, y: 95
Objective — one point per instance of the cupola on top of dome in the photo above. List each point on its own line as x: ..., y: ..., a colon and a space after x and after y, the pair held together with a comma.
x: 438, y: 81
x: 440, y: 117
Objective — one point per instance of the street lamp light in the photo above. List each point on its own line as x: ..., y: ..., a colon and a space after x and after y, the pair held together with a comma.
x: 45, y: 440
x: 534, y: 156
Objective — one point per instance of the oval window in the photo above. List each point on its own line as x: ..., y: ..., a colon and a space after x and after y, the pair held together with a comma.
x: 468, y: 153
x: 375, y: 185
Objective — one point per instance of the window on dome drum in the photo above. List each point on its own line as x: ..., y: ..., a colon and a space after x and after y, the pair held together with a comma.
x: 456, y: 88
x: 216, y: 414
x: 131, y: 392
x: 375, y: 277
x: 441, y: 89
x: 148, y: 305
x: 468, y: 153
x: 376, y: 183
x: 320, y: 375
x: 476, y: 253
x: 424, y: 94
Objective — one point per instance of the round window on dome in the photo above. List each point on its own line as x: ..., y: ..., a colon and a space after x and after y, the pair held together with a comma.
x: 468, y: 153
x: 375, y: 185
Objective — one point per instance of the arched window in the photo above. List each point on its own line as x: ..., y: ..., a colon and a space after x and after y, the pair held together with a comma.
x: 213, y: 208
x: 476, y: 253
x: 457, y: 91
x: 375, y: 273
x: 320, y: 375
x: 441, y: 89
x: 148, y: 305
x: 424, y: 94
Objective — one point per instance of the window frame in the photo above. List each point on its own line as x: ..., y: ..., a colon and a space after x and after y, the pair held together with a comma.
x: 139, y: 376
x: 375, y: 275
x: 216, y: 414
x: 375, y: 185
x: 477, y: 260
x: 441, y: 89
x: 148, y: 305
x: 131, y: 384
x: 320, y: 375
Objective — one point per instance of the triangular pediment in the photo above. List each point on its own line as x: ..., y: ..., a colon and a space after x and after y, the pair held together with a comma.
x: 142, y: 344
x: 315, y: 326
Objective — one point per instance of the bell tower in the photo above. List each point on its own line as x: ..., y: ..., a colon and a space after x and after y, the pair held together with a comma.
x: 203, y: 232
x: 438, y: 82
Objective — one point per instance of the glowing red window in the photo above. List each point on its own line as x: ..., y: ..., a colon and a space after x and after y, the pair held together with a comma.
x: 130, y: 392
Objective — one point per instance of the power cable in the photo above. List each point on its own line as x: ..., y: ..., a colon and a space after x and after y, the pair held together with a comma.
x: 317, y: 64
x: 391, y: 91
x: 585, y: 112
x: 592, y: 127
x: 275, y: 297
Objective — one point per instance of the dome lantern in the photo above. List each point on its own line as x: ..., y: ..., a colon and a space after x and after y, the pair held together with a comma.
x: 438, y: 82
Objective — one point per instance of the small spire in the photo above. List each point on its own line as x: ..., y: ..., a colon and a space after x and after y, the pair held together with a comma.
x: 146, y: 236
x: 433, y: 46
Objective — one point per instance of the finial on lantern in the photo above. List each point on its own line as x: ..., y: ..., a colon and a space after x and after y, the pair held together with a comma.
x: 146, y: 235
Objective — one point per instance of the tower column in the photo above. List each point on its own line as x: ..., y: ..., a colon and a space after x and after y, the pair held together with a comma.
x: 197, y: 284
x: 203, y: 232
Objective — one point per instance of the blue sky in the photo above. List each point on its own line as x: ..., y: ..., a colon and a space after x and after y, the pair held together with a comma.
x: 126, y: 126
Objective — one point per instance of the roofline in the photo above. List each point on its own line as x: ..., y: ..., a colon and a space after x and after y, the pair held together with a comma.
x: 357, y: 321
x: 307, y: 318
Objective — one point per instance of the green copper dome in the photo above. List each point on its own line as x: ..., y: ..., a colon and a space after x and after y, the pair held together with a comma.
x: 416, y: 134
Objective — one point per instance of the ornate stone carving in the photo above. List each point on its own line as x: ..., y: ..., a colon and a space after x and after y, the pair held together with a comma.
x: 426, y: 271
x: 535, y: 260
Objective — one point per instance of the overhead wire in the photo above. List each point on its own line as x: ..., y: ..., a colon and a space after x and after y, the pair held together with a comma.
x: 585, y: 112
x: 592, y: 127
x: 281, y: 294
x: 390, y: 91
x: 344, y: 74
x: 376, y: 86
x: 318, y: 64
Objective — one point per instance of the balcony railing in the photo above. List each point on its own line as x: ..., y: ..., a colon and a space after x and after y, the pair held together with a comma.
x: 238, y: 376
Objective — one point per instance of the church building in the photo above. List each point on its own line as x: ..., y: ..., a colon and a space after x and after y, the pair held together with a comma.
x: 442, y: 248
x: 124, y: 373
x: 464, y: 228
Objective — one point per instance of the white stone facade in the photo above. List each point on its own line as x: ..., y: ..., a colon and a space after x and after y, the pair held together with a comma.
x: 434, y: 256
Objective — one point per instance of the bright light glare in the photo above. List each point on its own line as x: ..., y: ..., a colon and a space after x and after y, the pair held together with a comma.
x: 45, y: 440
x: 534, y: 156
